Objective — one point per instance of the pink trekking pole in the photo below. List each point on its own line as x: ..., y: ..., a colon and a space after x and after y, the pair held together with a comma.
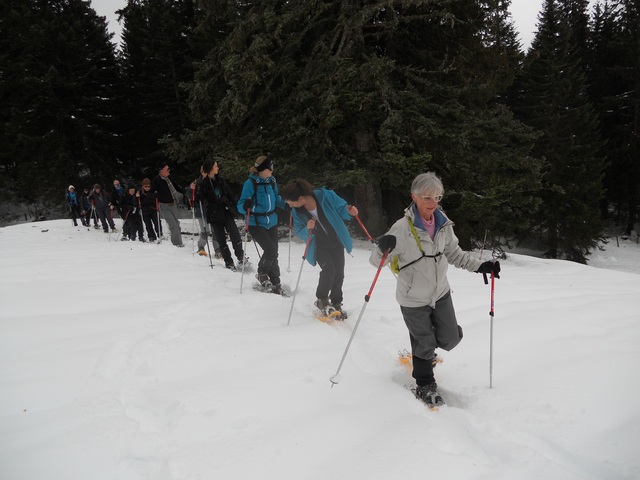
x: 335, y: 379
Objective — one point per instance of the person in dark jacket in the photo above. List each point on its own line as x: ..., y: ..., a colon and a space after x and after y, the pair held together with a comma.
x: 149, y: 207
x: 73, y: 201
x: 133, y: 218
x: 87, y: 211
x: 221, y: 212
x: 200, y: 213
x: 323, y: 212
x: 169, y: 197
x: 116, y: 198
x: 101, y: 206
x: 260, y: 195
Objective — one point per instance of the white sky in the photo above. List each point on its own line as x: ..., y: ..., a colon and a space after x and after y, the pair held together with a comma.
x: 524, y: 12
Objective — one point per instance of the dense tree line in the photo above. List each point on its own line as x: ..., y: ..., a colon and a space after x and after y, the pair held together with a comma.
x: 359, y: 96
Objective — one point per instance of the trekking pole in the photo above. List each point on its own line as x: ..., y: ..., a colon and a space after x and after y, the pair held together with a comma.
x: 290, y: 228
x: 111, y: 218
x: 123, y: 223
x: 206, y: 234
x: 335, y: 379
x: 244, y: 250
x: 159, y: 220
x: 365, y: 230
x: 304, y: 257
x: 491, y: 315
x: 193, y: 216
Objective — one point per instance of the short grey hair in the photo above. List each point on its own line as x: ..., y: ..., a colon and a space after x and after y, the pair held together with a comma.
x: 427, y: 182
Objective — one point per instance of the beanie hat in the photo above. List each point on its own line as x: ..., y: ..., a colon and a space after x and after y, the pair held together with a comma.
x: 97, y: 185
x: 262, y: 163
x: 70, y: 187
x: 161, y: 165
x: 130, y: 186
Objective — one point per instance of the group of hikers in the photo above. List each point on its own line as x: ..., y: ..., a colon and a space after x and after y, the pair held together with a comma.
x: 419, y: 246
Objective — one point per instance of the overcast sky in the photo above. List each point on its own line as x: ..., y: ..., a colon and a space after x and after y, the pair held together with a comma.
x: 524, y: 12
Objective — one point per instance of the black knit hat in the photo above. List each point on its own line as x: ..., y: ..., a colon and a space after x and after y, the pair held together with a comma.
x: 162, y: 164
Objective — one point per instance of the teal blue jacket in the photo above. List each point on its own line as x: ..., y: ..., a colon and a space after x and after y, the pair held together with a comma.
x: 264, y: 192
x: 335, y: 209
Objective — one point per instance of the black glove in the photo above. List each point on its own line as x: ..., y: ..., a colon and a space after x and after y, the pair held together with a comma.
x: 386, y: 242
x: 248, y: 203
x: 491, y: 266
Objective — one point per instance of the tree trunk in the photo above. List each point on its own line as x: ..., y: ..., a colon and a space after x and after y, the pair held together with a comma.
x: 368, y: 199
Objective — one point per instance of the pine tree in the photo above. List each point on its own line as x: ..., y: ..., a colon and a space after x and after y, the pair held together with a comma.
x: 556, y: 104
x: 615, y: 89
x: 58, y: 89
x: 156, y: 65
x: 365, y: 95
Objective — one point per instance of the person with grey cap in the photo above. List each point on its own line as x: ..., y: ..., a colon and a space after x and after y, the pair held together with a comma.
x: 260, y: 197
x: 421, y: 245
x: 169, y: 197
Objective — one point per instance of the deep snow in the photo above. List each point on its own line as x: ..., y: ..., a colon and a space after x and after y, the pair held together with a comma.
x: 122, y: 360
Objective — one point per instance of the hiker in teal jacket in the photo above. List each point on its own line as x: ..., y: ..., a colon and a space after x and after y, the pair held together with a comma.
x: 323, y: 212
x: 260, y: 197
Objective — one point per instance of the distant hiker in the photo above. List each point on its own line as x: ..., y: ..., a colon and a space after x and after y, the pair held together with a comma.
x: 423, y: 244
x: 100, y: 201
x: 149, y: 210
x: 260, y: 196
x: 116, y: 198
x: 324, y: 212
x: 73, y: 201
x: 200, y: 216
x: 85, y: 204
x: 221, y: 212
x: 169, y: 197
x: 133, y: 219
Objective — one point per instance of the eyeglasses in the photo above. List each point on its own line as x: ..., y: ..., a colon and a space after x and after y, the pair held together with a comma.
x: 146, y: 186
x: 434, y: 198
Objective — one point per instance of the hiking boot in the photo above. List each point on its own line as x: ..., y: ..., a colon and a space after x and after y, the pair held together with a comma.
x: 263, y: 278
x: 232, y: 267
x: 217, y: 254
x: 337, y: 307
x: 322, y: 304
x: 202, y: 252
x: 277, y: 289
x: 429, y: 395
x: 241, y: 263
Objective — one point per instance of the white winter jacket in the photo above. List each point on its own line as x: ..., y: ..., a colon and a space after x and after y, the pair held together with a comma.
x: 425, y: 281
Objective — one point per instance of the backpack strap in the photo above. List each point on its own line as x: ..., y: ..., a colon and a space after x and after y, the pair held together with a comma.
x: 417, y: 239
x: 255, y: 198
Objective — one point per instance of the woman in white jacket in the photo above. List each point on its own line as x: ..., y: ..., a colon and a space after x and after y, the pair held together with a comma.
x: 423, y: 244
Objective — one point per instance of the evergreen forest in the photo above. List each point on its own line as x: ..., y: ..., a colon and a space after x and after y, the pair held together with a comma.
x: 538, y: 147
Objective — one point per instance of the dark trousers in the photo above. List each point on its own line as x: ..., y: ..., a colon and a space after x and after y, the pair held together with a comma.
x: 104, y: 214
x: 220, y: 229
x: 331, y: 261
x: 268, y: 240
x: 74, y: 211
x: 133, y: 226
x: 151, y: 222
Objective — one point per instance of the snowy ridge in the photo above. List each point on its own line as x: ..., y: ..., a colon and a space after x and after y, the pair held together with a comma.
x: 122, y: 360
